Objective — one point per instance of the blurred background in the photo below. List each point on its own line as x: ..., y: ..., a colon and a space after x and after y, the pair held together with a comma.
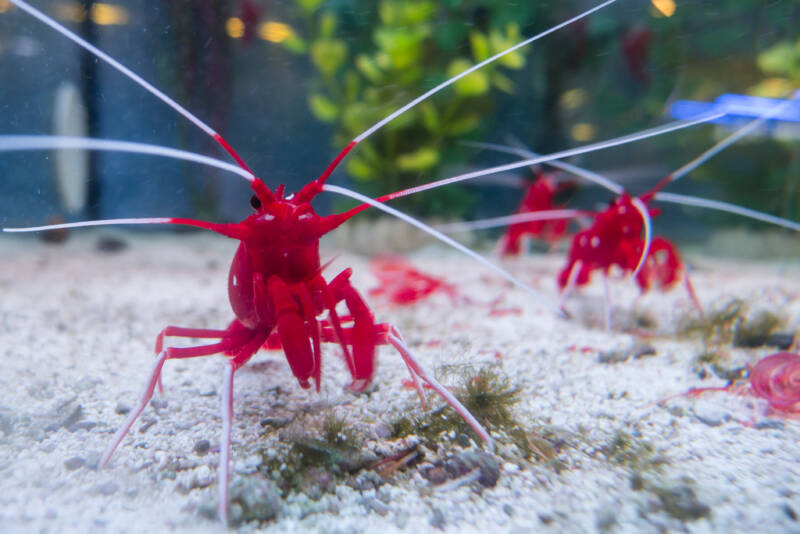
x: 290, y: 82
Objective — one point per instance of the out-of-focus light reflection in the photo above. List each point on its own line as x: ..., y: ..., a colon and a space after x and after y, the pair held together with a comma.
x: 574, y: 98
x: 101, y: 14
x: 665, y: 7
x: 5, y: 5
x: 234, y: 27
x: 583, y: 131
x: 274, y: 32
x: 109, y: 14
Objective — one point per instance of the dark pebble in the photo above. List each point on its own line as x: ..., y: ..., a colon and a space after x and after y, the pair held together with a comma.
x: 546, y: 518
x: 768, y: 424
x: 81, y: 425
x: 209, y: 511
x: 437, y: 519
x: 122, y: 409
x: 781, y: 341
x: 613, y: 356
x: 73, y: 417
x: 605, y: 519
x: 57, y: 236
x: 486, y: 463
x: 637, y: 482
x: 790, y: 513
x: 436, y: 475
x: 74, y: 463
x: 377, y: 506
x: 254, y: 498
x: 146, y: 425
x: 640, y: 351
x: 681, y: 503
x: 275, y: 422
x: 110, y: 244
x: 508, y: 510
x: 159, y: 404
x: 202, y: 447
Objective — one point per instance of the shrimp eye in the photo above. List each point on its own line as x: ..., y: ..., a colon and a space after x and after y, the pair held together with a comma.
x: 255, y: 202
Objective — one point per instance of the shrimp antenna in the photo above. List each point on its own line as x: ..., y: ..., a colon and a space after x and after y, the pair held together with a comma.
x: 725, y: 143
x: 718, y: 205
x: 526, y: 153
x: 133, y: 76
x: 443, y: 238
x: 669, y: 127
x: 234, y: 231
x: 648, y: 232
x: 672, y: 198
x: 10, y: 143
x: 494, y: 222
x: 372, y: 129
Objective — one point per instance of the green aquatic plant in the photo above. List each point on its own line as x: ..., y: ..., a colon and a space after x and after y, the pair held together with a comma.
x: 488, y: 394
x: 393, y: 54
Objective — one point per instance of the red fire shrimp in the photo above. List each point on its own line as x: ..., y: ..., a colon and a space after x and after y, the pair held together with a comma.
x: 540, y: 195
x: 275, y: 285
x: 620, y: 236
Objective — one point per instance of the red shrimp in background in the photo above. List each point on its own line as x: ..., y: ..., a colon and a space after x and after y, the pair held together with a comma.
x: 539, y: 195
x: 620, y: 236
x: 402, y: 284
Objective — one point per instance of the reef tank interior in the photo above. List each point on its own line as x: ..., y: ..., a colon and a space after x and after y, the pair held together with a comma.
x: 463, y: 265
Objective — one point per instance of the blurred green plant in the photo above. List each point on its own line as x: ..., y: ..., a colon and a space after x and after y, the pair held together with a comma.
x: 393, y: 54
x: 782, y: 62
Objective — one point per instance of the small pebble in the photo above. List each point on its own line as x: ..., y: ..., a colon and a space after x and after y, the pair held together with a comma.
x: 377, y: 506
x: 159, y: 404
x: 790, y: 513
x: 546, y: 518
x: 74, y: 463
x: 122, y: 409
x: 146, y: 424
x: 681, y: 502
x: 436, y: 476
x: 108, y: 488
x: 111, y: 244
x: 605, y: 519
x: 81, y: 425
x: 275, y: 422
x: 769, y: 424
x: 437, y: 519
x: 202, y: 447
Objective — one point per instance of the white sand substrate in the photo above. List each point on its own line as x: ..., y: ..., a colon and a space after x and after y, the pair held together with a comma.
x: 76, y: 338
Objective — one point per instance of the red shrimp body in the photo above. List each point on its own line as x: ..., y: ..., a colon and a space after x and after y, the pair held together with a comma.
x: 615, y: 238
x: 539, y: 196
x: 284, y: 244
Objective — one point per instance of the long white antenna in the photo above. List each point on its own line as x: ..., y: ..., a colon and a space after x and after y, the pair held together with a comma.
x: 578, y: 171
x: 443, y: 238
x: 130, y: 74
x: 369, y: 131
x: 114, y: 63
x: 718, y: 205
x: 517, y: 218
x: 671, y: 127
x: 84, y: 224
x: 10, y: 143
x: 728, y: 141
